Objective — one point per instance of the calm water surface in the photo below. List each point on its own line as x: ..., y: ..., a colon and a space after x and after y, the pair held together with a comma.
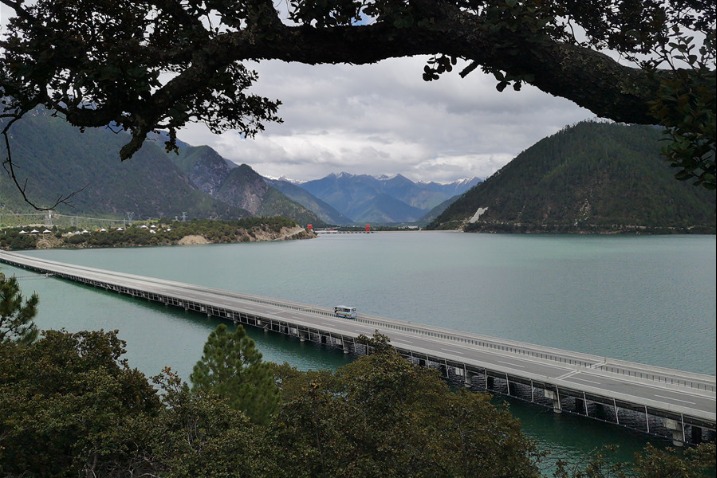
x: 645, y: 299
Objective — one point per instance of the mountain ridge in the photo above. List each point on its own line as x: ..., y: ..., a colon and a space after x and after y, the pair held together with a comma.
x: 384, y: 200
x: 195, y: 182
x: 592, y: 177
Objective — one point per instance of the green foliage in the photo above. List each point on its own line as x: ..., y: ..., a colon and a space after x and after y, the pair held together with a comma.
x: 166, y: 232
x: 11, y: 239
x: 69, y: 403
x: 16, y: 313
x: 685, y: 105
x: 693, y: 462
x: 76, y: 239
x: 71, y: 406
x: 591, y: 177
x: 201, y: 434
x: 383, y: 416
x: 231, y: 367
x: 378, y: 343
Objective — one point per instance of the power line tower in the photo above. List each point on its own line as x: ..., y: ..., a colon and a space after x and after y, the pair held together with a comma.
x: 184, y: 216
x: 130, y: 216
x: 48, y: 219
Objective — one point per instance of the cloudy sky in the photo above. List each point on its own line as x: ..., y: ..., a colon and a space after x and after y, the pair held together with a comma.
x: 383, y: 119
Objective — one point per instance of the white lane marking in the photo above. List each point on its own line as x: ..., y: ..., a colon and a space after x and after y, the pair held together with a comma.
x: 676, y: 399
x: 511, y: 364
x: 453, y: 351
x: 569, y: 374
x: 586, y: 380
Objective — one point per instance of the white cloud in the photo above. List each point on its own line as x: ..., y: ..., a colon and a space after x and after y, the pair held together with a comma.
x: 384, y: 119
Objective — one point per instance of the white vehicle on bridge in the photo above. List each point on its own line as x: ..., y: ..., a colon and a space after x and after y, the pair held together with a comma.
x: 345, y: 312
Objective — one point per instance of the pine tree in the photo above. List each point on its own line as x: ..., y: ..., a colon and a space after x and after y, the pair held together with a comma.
x: 232, y: 367
x: 16, y: 317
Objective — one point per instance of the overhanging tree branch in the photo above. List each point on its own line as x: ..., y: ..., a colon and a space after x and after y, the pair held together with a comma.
x: 99, y: 61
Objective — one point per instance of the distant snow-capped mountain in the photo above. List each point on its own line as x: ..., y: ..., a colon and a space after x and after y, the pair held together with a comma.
x: 383, y: 199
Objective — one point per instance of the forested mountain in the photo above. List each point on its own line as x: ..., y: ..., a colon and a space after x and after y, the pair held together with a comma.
x: 591, y: 177
x: 239, y: 186
x: 53, y: 159
x: 326, y: 213
x: 438, y: 210
x: 365, y: 198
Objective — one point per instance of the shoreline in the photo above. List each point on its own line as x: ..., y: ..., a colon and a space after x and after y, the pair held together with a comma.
x: 150, y: 238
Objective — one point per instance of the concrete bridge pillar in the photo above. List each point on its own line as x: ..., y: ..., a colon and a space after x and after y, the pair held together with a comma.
x: 467, y: 380
x: 696, y: 435
x: 678, y: 434
x: 553, y: 395
x: 580, y: 406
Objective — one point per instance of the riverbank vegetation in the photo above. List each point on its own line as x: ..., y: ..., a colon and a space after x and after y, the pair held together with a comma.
x: 153, y: 233
x: 72, y: 406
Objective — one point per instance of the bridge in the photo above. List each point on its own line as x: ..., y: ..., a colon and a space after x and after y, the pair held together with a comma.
x: 667, y: 403
x: 343, y: 231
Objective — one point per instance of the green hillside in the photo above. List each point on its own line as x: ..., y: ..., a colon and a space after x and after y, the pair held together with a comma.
x: 239, y: 185
x: 588, y: 178
x: 54, y: 159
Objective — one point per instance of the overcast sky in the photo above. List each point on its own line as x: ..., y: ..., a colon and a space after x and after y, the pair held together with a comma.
x: 383, y: 119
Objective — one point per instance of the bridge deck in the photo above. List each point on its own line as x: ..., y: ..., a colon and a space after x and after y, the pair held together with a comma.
x: 684, y: 398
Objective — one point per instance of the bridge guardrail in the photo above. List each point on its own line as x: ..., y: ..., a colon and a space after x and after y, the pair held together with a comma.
x: 520, y: 350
